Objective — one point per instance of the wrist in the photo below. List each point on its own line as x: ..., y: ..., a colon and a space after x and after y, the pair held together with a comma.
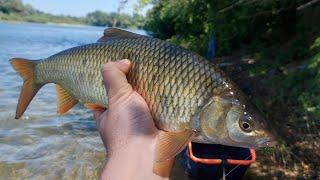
x: 132, y: 161
x: 133, y: 148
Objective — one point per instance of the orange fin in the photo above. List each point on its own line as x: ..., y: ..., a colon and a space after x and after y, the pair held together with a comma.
x: 30, y: 88
x: 95, y: 107
x: 170, y: 144
x: 163, y: 169
x: 65, y: 100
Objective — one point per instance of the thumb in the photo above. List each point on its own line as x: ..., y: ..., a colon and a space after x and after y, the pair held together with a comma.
x: 114, y: 77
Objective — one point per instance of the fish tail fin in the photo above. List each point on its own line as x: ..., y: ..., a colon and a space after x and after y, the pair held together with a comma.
x: 26, y: 69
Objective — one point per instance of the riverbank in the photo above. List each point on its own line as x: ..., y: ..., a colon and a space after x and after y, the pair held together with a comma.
x: 48, y: 23
x: 40, y: 18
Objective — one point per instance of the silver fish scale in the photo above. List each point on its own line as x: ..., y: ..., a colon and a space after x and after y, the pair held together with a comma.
x: 175, y: 83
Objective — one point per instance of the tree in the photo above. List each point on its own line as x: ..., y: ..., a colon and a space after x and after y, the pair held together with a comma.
x: 120, y: 7
x: 11, y: 6
x: 235, y: 23
x: 99, y: 18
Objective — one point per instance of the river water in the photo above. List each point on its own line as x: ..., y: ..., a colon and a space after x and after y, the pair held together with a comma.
x: 44, y: 145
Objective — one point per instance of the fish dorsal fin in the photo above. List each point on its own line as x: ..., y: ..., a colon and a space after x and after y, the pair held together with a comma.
x: 171, y: 143
x: 65, y: 100
x: 112, y: 33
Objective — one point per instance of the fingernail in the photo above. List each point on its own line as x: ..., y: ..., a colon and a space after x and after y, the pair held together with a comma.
x: 125, y: 61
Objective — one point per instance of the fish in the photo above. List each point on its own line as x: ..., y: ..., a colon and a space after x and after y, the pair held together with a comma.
x: 189, y: 97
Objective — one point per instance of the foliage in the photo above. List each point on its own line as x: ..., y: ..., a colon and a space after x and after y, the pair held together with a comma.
x: 8, y: 6
x: 310, y: 97
x: 264, y: 22
x: 99, y: 18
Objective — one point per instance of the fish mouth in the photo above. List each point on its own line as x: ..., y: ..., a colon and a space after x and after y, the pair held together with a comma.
x: 266, y: 142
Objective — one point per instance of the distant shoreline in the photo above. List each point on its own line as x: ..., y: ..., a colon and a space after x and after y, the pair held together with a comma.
x: 134, y: 29
x: 61, y: 24
x: 49, y: 23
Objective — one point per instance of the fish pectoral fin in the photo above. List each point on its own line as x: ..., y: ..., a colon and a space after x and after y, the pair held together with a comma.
x: 95, y: 107
x: 163, y: 168
x: 111, y: 33
x: 171, y: 143
x: 65, y: 100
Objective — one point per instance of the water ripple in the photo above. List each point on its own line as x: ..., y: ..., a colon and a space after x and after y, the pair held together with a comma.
x: 43, y: 145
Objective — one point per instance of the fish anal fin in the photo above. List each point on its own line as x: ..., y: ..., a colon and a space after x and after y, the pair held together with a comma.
x: 111, y: 33
x: 30, y: 88
x: 65, y: 100
x: 163, y: 168
x: 169, y: 144
x: 95, y: 107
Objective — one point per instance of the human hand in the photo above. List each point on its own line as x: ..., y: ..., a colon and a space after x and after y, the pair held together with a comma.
x: 128, y: 118
x: 126, y: 127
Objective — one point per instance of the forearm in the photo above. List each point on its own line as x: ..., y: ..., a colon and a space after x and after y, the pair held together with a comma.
x: 134, y: 161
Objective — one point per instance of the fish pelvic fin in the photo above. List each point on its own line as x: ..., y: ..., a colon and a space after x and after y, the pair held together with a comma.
x: 65, y: 100
x: 163, y: 168
x: 25, y: 68
x: 169, y: 144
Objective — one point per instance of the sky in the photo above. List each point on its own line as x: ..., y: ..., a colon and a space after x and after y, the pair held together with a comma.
x: 79, y: 7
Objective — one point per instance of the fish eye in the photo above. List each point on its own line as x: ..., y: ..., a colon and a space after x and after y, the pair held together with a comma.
x: 245, y: 125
